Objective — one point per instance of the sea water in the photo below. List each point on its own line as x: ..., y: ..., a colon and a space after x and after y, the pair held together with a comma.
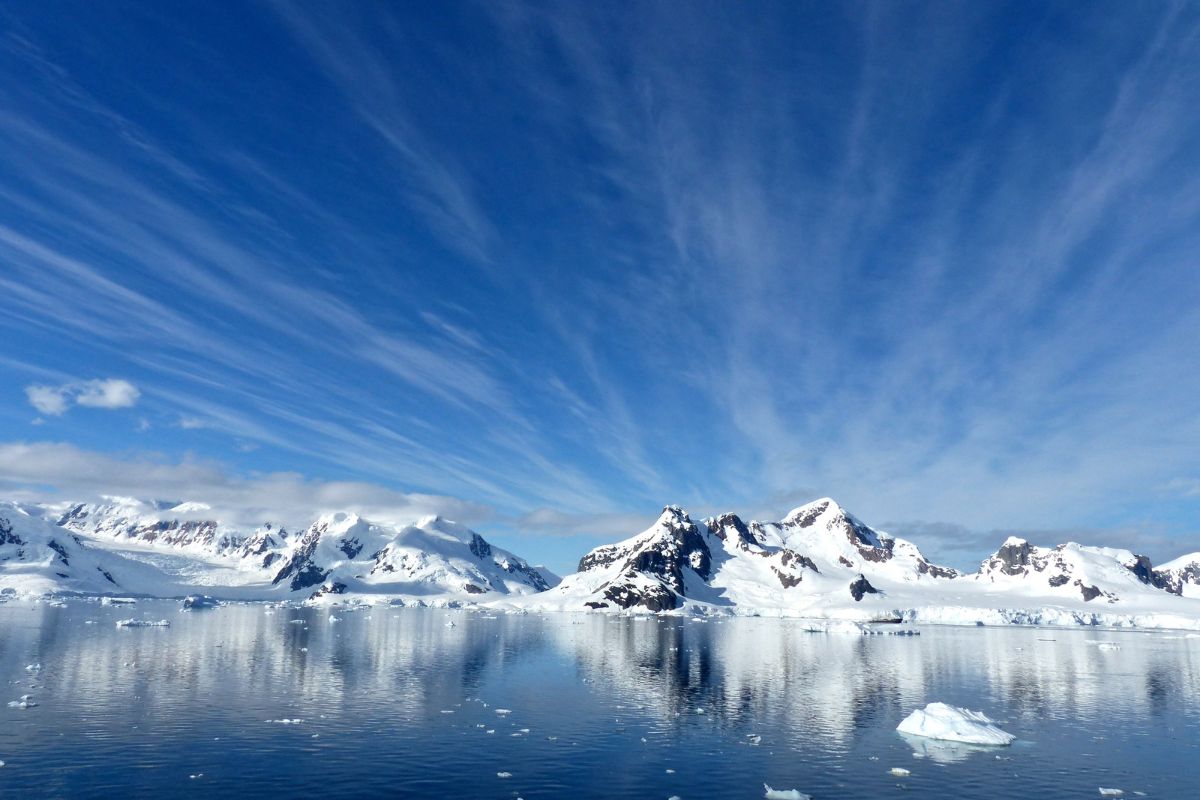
x: 251, y: 701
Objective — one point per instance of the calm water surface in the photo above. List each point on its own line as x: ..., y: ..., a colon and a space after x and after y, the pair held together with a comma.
x: 402, y: 703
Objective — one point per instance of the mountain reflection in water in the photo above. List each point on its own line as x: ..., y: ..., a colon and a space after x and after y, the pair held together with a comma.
x: 398, y: 702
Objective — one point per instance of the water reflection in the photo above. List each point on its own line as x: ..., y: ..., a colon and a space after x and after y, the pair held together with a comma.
x: 833, y: 685
x: 764, y: 696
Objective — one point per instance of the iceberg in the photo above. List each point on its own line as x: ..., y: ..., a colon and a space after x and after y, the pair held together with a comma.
x: 142, y: 623
x: 784, y: 794
x: 953, y: 724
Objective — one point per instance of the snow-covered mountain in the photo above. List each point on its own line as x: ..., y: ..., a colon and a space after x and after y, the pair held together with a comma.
x: 37, y: 556
x: 1181, y: 576
x: 1073, y: 570
x: 820, y: 561
x: 184, y: 526
x: 175, y: 549
x: 817, y: 556
x: 345, y: 553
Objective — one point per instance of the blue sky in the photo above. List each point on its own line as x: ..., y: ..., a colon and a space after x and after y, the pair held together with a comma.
x: 545, y: 268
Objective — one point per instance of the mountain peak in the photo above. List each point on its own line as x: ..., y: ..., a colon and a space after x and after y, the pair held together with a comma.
x: 806, y: 514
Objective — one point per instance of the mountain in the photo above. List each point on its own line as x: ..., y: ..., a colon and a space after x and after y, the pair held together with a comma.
x: 1073, y: 570
x: 818, y: 555
x: 345, y: 553
x: 171, y: 549
x: 820, y: 561
x: 184, y: 526
x: 1182, y: 575
x: 37, y: 556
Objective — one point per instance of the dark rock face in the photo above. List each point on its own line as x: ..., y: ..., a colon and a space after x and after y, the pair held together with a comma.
x: 1089, y: 592
x: 7, y: 536
x: 861, y: 587
x: 678, y: 546
x: 1012, y: 558
x: 925, y: 568
x: 351, y: 547
x: 62, y: 552
x: 787, y: 580
x: 335, y: 587
x: 299, y: 566
x: 480, y: 547
x: 600, y: 557
x: 652, y: 598
x: 731, y: 525
x: 1173, y: 580
x: 471, y: 588
x: 789, y: 557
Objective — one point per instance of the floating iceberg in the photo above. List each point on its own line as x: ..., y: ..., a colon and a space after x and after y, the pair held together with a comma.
x: 949, y: 723
x: 142, y: 623
x: 784, y: 794
x: 198, y: 601
x: 26, y: 701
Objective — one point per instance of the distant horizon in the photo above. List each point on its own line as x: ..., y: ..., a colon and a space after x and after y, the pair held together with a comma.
x: 543, y: 271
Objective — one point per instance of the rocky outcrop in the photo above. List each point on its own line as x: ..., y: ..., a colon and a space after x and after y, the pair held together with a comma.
x: 860, y: 588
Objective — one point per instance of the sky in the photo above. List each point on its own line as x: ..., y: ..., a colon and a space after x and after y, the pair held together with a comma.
x: 545, y: 268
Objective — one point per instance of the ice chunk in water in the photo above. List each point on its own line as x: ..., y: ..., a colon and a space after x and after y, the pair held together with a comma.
x: 953, y: 724
x: 784, y: 794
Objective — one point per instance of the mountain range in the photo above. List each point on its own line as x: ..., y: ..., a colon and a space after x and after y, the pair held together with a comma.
x: 818, y: 561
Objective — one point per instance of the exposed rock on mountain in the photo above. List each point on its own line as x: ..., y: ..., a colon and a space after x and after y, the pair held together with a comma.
x: 816, y: 550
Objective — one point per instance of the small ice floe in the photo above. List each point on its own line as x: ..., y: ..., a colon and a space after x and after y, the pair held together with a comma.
x: 899, y: 772
x: 503, y: 711
x: 450, y: 623
x: 784, y: 794
x: 295, y: 622
x: 952, y: 724
x: 143, y: 623
x: 198, y: 601
x: 753, y: 738
x: 503, y: 774
x: 1, y: 763
x: 286, y: 721
x: 1111, y: 792
x: 332, y: 618
x: 117, y: 601
x: 197, y: 775
x: 26, y: 701
x: 34, y: 668
x: 447, y: 710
